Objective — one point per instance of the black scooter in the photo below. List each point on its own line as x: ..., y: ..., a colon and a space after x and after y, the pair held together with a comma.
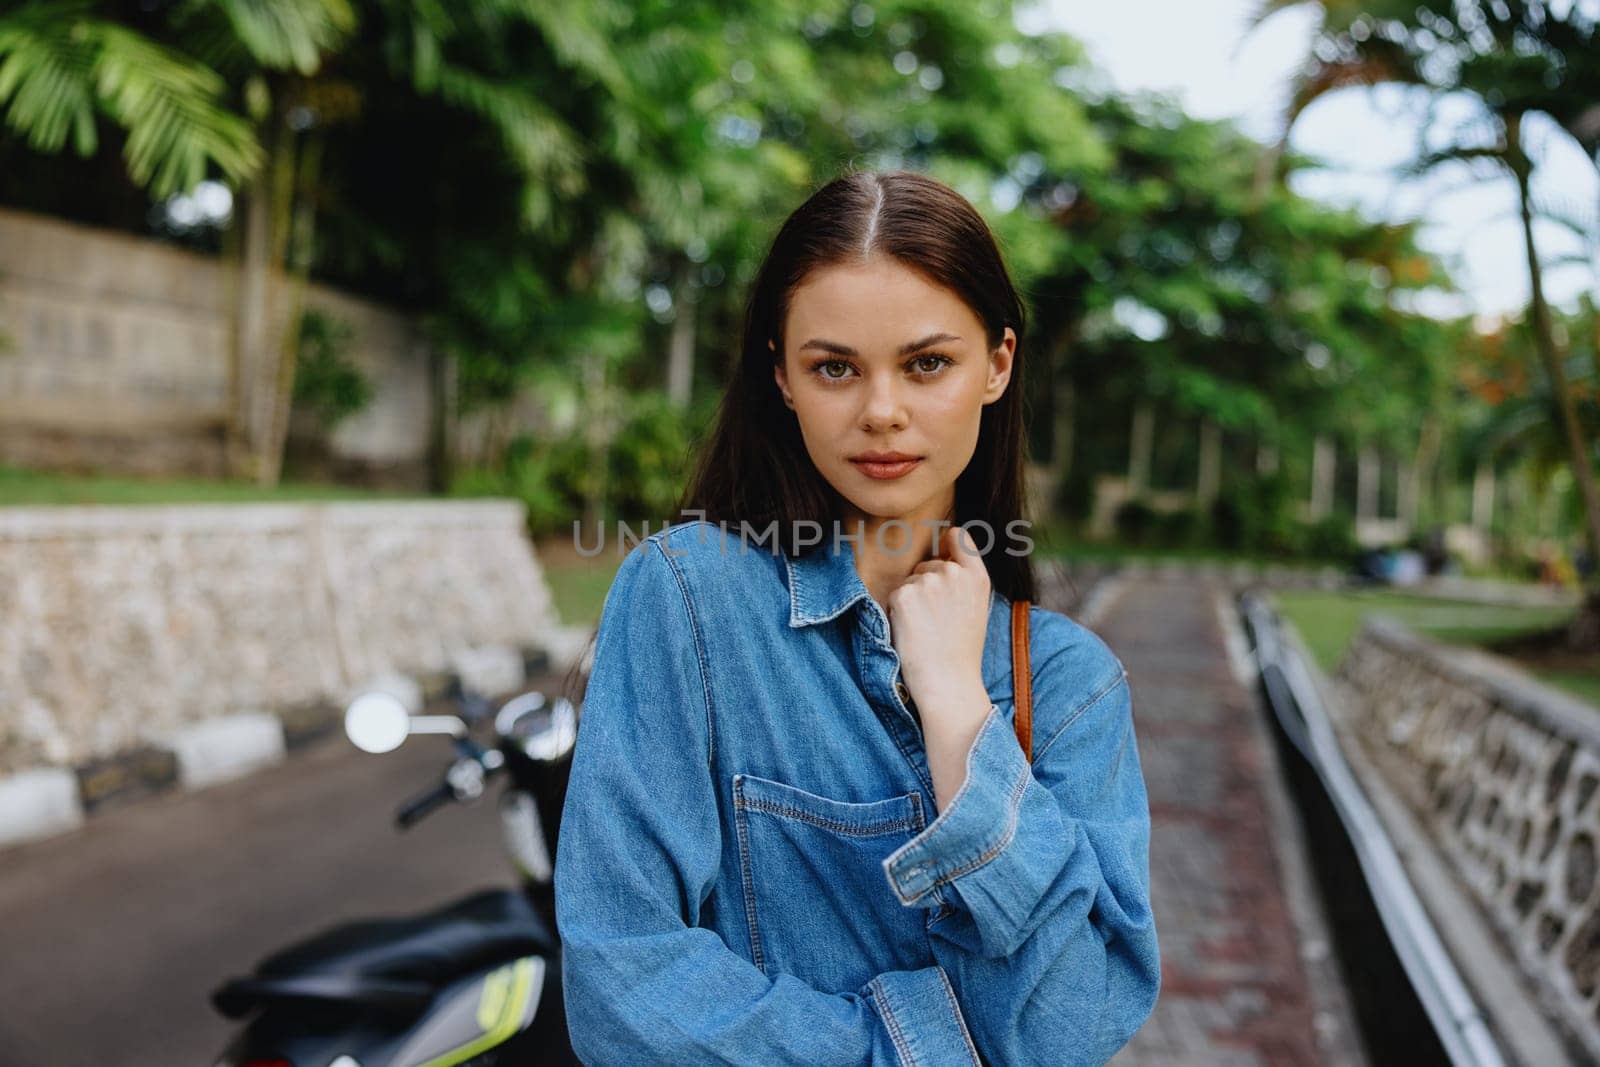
x: 475, y: 983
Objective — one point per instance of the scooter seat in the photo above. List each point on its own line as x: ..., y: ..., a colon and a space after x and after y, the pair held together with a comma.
x: 395, y: 965
x: 237, y: 997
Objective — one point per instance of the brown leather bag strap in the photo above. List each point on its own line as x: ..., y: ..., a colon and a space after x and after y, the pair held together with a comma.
x: 1021, y: 678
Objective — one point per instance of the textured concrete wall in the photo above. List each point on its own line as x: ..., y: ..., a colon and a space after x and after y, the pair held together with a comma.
x: 115, y: 354
x: 1504, y: 772
x: 121, y: 626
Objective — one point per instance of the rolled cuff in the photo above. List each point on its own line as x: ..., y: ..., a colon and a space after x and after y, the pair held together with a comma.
x: 920, y: 1011
x: 978, y: 823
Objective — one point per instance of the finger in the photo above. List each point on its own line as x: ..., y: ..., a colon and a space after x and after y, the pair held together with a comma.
x: 960, y: 548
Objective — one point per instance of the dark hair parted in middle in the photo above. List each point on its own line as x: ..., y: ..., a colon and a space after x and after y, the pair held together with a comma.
x: 755, y: 468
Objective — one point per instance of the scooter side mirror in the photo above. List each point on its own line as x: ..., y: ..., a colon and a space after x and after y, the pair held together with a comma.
x: 545, y: 733
x: 377, y: 722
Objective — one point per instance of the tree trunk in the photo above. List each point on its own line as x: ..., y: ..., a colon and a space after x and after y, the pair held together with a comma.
x: 1368, y: 473
x: 1063, y: 432
x: 1140, y: 446
x: 1208, y: 480
x: 1483, y: 496
x: 1587, y: 625
x: 265, y: 318
x: 296, y: 214
x: 1062, y: 410
x: 1323, y: 470
x: 444, y: 433
x: 1416, y: 473
x: 680, y: 349
x: 597, y: 432
x: 254, y: 276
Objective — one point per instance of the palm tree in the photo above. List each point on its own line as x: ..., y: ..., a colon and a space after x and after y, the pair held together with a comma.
x: 1515, y: 58
x: 63, y: 67
x: 222, y: 101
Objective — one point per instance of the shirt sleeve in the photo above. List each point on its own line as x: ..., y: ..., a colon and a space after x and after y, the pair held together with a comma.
x: 638, y: 853
x: 1043, y: 880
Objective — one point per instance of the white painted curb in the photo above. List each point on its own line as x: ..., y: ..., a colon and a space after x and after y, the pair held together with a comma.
x: 38, y: 803
x: 226, y: 748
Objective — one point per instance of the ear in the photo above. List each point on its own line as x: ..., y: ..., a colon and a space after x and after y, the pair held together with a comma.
x: 1001, y: 361
x: 781, y: 376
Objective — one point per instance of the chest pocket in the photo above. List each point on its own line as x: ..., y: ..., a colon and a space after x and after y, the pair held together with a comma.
x: 816, y: 899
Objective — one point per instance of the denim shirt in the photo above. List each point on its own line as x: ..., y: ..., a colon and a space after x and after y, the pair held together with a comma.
x: 750, y: 868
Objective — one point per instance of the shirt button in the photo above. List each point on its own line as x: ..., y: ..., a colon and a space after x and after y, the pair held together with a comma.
x: 904, y: 693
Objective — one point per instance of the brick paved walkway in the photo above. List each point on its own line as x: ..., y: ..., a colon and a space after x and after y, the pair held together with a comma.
x: 1234, y: 990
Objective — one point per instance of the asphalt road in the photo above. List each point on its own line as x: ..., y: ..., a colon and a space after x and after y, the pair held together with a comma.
x: 112, y: 937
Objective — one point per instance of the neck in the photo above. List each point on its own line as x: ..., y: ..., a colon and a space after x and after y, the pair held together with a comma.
x: 886, y: 554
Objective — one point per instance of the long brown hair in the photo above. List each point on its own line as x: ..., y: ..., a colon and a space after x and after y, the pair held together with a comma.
x: 755, y: 468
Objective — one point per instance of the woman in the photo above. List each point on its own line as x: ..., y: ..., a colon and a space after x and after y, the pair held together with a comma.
x: 800, y: 828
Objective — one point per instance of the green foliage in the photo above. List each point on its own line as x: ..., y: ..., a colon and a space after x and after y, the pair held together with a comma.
x: 546, y: 476
x: 1496, y: 64
x: 280, y: 35
x: 1255, y: 517
x: 550, y: 186
x: 1256, y: 514
x: 61, y: 65
x: 1135, y: 523
x: 649, y: 458
x: 1185, y: 528
x: 1139, y: 525
x: 644, y: 469
x: 1332, y: 539
x: 326, y: 381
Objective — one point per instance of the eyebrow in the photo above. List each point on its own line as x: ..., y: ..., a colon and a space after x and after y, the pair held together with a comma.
x: 905, y: 349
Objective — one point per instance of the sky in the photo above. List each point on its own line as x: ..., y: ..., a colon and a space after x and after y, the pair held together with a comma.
x: 1200, y: 52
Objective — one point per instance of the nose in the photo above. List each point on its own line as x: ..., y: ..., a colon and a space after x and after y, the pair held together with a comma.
x: 883, y: 407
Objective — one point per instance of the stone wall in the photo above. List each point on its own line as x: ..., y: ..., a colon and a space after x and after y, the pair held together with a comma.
x: 115, y: 355
x: 1504, y: 773
x: 121, y: 626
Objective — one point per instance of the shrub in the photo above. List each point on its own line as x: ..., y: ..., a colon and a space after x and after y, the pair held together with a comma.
x: 554, y: 476
x: 1332, y: 539
x: 650, y: 456
x: 1135, y: 523
x: 1181, y: 529
x: 1256, y: 514
x: 548, y: 477
x: 325, y: 379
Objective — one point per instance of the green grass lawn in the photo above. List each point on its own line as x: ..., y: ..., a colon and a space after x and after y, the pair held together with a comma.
x: 1327, y: 621
x: 579, y: 587
x: 24, y: 488
x: 1584, y: 684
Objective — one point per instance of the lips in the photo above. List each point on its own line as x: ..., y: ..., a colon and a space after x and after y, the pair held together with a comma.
x: 885, y: 464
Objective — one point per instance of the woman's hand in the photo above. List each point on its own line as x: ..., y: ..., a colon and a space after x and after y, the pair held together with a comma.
x: 938, y: 619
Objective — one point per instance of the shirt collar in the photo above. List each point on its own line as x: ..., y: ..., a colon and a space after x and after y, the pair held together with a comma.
x: 823, y: 583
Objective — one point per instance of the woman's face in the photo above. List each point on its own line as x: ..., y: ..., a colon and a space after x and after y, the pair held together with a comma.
x: 878, y: 359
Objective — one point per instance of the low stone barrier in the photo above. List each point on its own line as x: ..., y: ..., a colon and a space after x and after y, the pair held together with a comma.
x: 1503, y: 772
x: 121, y: 628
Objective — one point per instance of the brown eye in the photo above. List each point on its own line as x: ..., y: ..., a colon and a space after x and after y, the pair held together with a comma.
x: 933, y: 368
x: 821, y: 368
